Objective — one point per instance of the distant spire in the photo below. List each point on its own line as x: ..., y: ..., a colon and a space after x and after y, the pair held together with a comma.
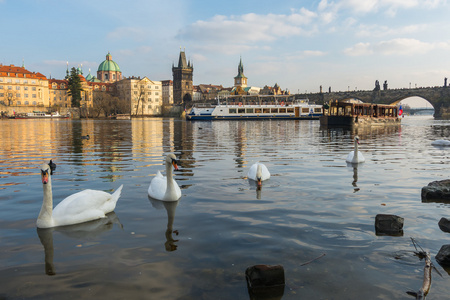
x: 23, y: 63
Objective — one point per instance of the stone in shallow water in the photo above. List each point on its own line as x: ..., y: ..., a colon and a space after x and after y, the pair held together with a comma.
x: 436, y: 190
x: 265, y: 281
x: 443, y: 256
x: 444, y: 224
x: 389, y: 225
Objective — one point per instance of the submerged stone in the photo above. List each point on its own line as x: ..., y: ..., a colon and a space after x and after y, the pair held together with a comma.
x: 389, y: 225
x: 444, y: 224
x: 265, y: 281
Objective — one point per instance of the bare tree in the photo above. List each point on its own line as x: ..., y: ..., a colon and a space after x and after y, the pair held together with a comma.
x: 140, y: 97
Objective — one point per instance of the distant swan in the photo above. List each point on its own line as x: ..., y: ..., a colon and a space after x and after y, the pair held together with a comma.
x: 440, y: 143
x: 80, y: 207
x: 85, y: 137
x: 165, y: 188
x: 258, y: 172
x: 355, y: 156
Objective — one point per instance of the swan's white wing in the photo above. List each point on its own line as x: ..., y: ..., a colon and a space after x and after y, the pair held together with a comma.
x: 81, y: 207
x: 440, y: 143
x: 265, y: 172
x: 175, y: 194
x: 361, y: 157
x: 350, y: 157
x: 252, y: 172
x: 158, y: 187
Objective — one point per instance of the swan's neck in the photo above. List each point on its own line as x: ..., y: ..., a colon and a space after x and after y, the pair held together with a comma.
x: 45, y: 216
x: 258, y: 171
x: 169, y: 177
x: 355, y: 155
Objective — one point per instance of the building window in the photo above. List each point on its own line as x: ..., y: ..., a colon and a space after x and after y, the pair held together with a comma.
x: 9, y: 87
x: 33, y: 95
x: 25, y: 95
x: 33, y: 81
x: 27, y: 103
x: 17, y: 88
x: 25, y: 81
x: 33, y: 88
x: 34, y: 103
x: 25, y: 88
x: 2, y: 95
x: 18, y: 102
x: 9, y: 80
x: 1, y: 79
x: 1, y: 87
x: 103, y: 88
x: 17, y: 80
x: 18, y: 95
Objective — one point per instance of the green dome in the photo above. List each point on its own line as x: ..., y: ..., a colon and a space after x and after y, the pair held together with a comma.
x: 108, y: 65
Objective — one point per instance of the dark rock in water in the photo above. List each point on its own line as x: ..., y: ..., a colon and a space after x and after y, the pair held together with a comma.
x: 389, y: 225
x: 265, y: 282
x: 443, y: 256
x: 436, y: 190
x: 444, y: 224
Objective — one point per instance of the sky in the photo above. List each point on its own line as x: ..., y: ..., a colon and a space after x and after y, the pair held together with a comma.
x: 300, y: 45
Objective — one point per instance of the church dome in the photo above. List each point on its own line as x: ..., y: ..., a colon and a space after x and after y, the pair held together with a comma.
x: 108, y: 65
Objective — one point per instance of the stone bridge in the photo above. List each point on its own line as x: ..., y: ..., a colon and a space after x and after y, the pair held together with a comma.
x: 439, y: 97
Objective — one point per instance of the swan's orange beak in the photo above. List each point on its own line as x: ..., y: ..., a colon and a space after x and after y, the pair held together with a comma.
x: 174, y: 164
x: 259, y: 182
x: 44, y: 176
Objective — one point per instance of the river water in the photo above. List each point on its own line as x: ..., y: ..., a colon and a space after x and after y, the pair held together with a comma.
x: 313, y: 206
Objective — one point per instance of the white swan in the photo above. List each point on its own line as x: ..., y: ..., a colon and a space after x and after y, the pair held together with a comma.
x: 355, y: 156
x: 440, y: 143
x: 258, y: 172
x: 80, y: 207
x: 165, y: 188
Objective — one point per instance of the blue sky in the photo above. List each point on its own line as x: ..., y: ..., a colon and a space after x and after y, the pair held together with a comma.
x: 301, y: 45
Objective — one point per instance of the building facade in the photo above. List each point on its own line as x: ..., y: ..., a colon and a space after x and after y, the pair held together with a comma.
x: 20, y: 87
x: 167, y: 92
x: 182, y: 81
x: 143, y: 94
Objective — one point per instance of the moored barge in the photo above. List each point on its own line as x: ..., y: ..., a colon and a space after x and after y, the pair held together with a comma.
x: 340, y: 113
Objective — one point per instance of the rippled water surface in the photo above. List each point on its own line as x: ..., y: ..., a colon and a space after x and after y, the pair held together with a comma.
x: 200, y: 246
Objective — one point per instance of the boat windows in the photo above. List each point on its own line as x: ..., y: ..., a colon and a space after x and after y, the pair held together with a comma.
x: 241, y: 110
x: 266, y: 110
x: 290, y: 110
x: 317, y: 109
x: 232, y: 110
x: 258, y: 110
x: 249, y: 110
x: 274, y: 110
x: 282, y: 110
x: 305, y: 110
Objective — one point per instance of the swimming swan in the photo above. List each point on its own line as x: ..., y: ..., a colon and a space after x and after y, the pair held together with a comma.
x: 258, y: 172
x: 440, y: 143
x: 355, y: 156
x: 165, y: 188
x: 80, y: 207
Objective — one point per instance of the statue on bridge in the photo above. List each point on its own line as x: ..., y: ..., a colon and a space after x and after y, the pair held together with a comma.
x: 385, y: 85
x: 377, y: 85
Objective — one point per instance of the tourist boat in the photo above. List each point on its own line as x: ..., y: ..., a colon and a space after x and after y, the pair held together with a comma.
x: 243, y: 109
x: 343, y: 113
x: 41, y: 115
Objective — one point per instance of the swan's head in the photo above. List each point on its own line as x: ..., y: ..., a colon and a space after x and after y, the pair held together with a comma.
x: 45, y: 173
x: 357, y: 139
x: 259, y: 175
x: 172, y: 159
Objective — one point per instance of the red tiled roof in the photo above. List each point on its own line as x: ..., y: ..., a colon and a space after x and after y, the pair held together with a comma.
x: 19, y: 72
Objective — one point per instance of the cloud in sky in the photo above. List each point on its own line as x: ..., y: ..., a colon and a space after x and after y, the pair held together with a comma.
x: 292, y: 43
x: 400, y: 46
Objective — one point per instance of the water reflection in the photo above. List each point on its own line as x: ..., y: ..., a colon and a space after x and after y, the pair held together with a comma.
x: 84, y: 231
x: 170, y: 207
x: 355, y: 175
